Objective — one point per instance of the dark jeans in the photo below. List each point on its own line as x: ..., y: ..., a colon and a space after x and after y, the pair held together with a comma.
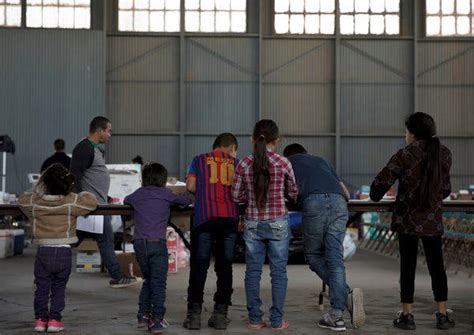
x: 152, y: 257
x: 223, y: 233
x: 105, y: 242
x: 52, y: 270
x: 432, y: 245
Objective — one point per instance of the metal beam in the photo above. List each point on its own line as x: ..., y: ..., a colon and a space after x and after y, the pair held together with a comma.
x: 182, y: 95
x: 337, y: 91
x: 304, y: 54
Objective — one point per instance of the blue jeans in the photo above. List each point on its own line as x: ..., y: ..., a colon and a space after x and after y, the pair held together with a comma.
x: 223, y: 233
x: 324, y: 227
x: 260, y: 237
x: 152, y: 257
x: 105, y: 242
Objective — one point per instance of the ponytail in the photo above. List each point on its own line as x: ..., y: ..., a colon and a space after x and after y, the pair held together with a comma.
x: 264, y: 132
x: 423, y: 127
x: 261, y: 174
x: 431, y: 182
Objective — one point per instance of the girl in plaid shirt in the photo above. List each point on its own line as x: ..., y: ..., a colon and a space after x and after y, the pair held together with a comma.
x: 262, y: 180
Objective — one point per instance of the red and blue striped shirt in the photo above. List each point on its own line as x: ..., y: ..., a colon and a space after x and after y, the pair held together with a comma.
x: 214, y: 172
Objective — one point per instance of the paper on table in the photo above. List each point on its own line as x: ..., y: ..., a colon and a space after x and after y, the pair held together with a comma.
x: 92, y: 223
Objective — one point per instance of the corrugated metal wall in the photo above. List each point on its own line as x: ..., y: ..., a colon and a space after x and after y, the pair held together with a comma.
x: 168, y: 95
x: 51, y: 86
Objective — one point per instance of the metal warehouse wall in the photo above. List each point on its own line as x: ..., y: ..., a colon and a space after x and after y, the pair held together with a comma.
x: 168, y: 95
x: 51, y: 85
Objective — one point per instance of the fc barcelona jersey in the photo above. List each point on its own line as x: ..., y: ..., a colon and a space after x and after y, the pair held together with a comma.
x: 214, y: 172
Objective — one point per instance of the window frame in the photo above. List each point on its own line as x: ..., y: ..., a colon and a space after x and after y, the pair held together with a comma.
x: 467, y: 37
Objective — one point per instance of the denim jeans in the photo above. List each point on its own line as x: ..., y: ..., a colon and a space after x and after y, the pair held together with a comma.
x: 223, y: 233
x: 262, y: 237
x: 105, y: 242
x: 324, y: 226
x: 52, y: 270
x: 152, y: 257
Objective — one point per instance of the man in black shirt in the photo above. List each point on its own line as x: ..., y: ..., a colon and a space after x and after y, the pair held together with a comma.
x: 58, y: 157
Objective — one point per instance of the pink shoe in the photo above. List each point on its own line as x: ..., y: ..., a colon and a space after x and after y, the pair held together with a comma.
x: 257, y: 326
x: 284, y: 325
x: 55, y: 326
x: 40, y: 326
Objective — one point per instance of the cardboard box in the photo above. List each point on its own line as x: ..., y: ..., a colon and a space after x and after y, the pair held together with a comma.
x: 88, y: 257
x: 464, y: 195
x: 128, y: 264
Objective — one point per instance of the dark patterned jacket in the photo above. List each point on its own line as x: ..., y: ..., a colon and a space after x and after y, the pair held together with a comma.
x: 406, y: 166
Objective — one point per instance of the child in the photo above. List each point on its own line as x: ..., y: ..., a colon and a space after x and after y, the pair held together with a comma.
x: 215, y: 221
x: 323, y: 198
x: 151, y: 204
x: 422, y: 170
x: 53, y: 209
x: 261, y: 180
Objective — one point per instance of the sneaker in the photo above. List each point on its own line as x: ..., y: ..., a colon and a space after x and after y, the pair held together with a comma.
x: 125, y: 281
x: 256, y: 326
x: 40, y: 326
x: 337, y: 325
x: 444, y: 321
x: 144, y: 320
x: 403, y: 321
x: 55, y: 326
x: 158, y: 327
x: 355, y: 307
x: 284, y: 325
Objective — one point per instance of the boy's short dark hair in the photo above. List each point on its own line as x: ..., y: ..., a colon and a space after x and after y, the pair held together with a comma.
x: 59, y: 144
x: 294, y: 149
x: 57, y: 180
x: 154, y: 174
x: 97, y: 123
x: 225, y: 140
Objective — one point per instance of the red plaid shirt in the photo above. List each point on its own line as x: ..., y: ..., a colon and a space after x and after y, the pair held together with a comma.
x: 282, y: 181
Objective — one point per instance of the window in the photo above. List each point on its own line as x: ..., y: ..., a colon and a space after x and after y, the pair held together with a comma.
x: 68, y: 14
x: 304, y: 16
x: 369, y: 17
x: 450, y: 17
x: 10, y: 13
x: 149, y: 15
x: 216, y: 16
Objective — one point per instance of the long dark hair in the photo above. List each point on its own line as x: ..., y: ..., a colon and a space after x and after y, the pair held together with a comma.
x: 423, y: 127
x: 265, y: 131
x: 57, y: 180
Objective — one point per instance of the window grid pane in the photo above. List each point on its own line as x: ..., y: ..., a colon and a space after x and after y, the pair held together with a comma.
x: 216, y: 16
x: 149, y: 15
x: 369, y: 17
x: 10, y: 13
x: 64, y: 14
x: 309, y: 17
x: 449, y: 18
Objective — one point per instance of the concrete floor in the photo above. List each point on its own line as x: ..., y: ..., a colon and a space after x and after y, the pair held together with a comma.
x: 94, y: 308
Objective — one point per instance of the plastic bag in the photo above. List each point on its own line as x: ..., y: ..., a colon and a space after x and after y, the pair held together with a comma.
x: 350, y: 247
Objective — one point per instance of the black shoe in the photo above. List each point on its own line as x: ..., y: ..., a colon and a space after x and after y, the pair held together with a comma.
x: 218, y: 319
x: 125, y: 281
x: 444, y: 321
x: 193, y: 317
x: 327, y: 322
x: 406, y: 322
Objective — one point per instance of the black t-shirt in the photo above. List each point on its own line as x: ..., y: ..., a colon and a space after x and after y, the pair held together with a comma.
x: 58, y: 157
